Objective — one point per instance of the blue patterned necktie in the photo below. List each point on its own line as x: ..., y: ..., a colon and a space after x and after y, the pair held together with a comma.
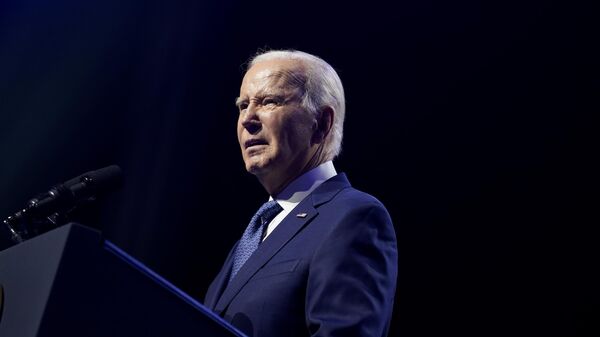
x: 253, y: 235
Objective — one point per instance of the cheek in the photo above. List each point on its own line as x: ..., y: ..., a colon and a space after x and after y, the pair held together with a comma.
x: 297, y: 133
x: 288, y: 131
x: 239, y: 130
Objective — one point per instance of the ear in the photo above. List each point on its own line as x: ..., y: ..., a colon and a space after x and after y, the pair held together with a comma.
x: 323, y: 124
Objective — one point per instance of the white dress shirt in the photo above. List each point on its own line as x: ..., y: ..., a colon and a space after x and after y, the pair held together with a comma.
x: 299, y: 189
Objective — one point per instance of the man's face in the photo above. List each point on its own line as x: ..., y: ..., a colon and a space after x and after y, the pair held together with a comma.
x: 273, y: 130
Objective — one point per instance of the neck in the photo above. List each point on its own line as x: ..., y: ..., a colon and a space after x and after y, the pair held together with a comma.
x: 274, y: 185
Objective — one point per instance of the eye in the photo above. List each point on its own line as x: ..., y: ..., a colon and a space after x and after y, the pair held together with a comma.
x: 270, y: 101
x: 242, y: 106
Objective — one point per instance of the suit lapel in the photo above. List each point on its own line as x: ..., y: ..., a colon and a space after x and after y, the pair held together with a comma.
x: 282, y: 234
x: 216, y: 288
x: 272, y: 244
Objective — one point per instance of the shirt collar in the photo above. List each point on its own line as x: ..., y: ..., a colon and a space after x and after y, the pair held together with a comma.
x: 302, y: 186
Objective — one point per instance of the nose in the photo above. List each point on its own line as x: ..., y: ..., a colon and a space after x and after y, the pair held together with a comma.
x: 249, y: 119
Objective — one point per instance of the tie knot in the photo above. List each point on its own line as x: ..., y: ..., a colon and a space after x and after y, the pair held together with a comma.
x: 268, y: 210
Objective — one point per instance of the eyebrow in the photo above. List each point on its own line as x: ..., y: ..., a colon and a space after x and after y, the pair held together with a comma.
x: 239, y: 101
x: 292, y: 78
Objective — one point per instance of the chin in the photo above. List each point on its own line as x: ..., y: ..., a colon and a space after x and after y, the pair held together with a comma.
x: 254, y: 167
x: 258, y: 166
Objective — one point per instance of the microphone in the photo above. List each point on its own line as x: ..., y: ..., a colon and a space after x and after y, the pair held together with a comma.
x: 50, y: 209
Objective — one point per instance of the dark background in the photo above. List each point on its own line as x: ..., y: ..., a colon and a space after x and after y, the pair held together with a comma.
x: 470, y: 120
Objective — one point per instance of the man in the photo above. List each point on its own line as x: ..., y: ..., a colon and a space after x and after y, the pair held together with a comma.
x: 320, y: 258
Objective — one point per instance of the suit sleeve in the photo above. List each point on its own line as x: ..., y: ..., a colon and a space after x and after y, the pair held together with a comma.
x: 352, y: 277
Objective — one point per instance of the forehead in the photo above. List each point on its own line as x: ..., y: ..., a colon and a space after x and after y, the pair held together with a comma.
x: 277, y: 74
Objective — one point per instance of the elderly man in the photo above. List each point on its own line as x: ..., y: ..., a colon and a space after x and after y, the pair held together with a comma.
x: 319, y: 258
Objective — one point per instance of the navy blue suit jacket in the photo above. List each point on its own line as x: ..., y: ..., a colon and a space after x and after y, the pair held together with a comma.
x: 329, y: 273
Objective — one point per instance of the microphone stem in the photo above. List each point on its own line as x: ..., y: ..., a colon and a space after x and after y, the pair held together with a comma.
x: 15, y: 236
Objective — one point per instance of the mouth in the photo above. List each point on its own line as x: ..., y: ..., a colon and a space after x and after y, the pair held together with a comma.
x: 254, y: 142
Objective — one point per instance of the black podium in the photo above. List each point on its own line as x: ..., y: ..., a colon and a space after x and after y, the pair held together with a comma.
x: 70, y: 282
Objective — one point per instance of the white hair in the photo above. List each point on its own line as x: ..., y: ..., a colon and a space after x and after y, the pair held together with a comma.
x: 322, y: 87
